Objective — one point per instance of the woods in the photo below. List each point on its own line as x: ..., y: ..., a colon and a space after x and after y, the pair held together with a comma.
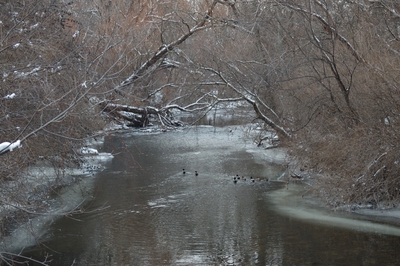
x: 322, y: 74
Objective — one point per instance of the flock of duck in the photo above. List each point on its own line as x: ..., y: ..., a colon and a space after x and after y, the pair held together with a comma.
x: 243, y: 178
x: 195, y: 172
x: 237, y: 177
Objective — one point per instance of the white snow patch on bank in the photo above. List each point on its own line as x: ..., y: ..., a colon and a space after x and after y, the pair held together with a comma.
x: 88, y: 151
x: 7, y: 146
x: 39, y: 177
x: 10, y: 96
x: 276, y: 155
x: 31, y: 232
x: 289, y: 202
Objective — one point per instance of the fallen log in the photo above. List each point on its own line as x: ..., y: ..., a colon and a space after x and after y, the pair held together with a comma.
x: 139, y: 116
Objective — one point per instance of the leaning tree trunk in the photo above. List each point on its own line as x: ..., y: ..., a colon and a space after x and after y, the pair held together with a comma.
x: 139, y: 116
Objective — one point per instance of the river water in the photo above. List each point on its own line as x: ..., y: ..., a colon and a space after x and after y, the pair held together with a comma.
x: 157, y: 215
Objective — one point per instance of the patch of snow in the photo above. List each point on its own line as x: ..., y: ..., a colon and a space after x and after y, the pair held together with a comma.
x: 103, y: 156
x: 32, y: 231
x: 130, y: 115
x: 14, y: 145
x: 16, y: 45
x: 25, y: 74
x: 95, y: 162
x: 84, y: 84
x: 4, y: 146
x: 158, y: 97
x: 276, y: 155
x: 9, y: 96
x: 7, y: 146
x: 34, y: 26
x: 41, y: 14
x: 386, y: 121
x: 93, y: 100
x: 75, y: 34
x: 88, y: 151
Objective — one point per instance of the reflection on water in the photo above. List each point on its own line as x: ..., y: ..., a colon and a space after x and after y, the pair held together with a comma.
x: 160, y: 216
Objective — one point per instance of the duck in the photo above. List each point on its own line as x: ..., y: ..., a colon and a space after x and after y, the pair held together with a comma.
x: 266, y: 179
x: 257, y: 179
x: 234, y: 181
x: 195, y: 173
x: 183, y: 171
x: 243, y: 178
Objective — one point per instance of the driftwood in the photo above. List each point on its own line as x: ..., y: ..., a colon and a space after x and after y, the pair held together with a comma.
x: 139, y: 116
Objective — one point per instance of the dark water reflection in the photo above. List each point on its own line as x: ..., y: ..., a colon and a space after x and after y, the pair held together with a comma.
x: 158, y: 216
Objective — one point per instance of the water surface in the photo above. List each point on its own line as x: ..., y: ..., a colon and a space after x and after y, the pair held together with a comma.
x: 159, y: 216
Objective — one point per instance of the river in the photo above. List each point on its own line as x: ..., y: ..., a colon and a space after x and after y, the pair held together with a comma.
x: 156, y: 215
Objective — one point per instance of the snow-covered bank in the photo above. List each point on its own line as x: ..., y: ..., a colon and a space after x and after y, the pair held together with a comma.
x: 49, y: 193
x: 293, y: 201
x: 29, y: 233
x: 297, y: 201
x: 275, y: 155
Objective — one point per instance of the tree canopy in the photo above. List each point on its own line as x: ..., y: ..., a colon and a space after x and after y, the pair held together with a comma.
x: 321, y: 74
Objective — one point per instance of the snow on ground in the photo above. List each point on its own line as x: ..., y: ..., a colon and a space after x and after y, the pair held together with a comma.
x: 10, y: 96
x: 37, y: 181
x: 276, y: 155
x: 395, y: 213
x: 291, y: 201
x: 7, y: 146
x: 30, y: 233
x: 88, y: 151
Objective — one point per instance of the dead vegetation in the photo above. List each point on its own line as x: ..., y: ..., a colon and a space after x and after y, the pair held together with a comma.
x: 323, y: 75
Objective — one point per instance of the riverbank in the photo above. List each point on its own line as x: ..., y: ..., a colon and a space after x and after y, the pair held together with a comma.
x: 294, y: 201
x: 75, y: 188
x: 158, y: 215
x: 297, y: 200
x: 43, y: 193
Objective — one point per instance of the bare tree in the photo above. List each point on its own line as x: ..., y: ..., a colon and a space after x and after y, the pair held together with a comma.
x: 322, y: 74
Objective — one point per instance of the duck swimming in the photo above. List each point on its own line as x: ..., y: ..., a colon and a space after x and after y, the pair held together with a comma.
x: 195, y: 173
x: 183, y: 171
